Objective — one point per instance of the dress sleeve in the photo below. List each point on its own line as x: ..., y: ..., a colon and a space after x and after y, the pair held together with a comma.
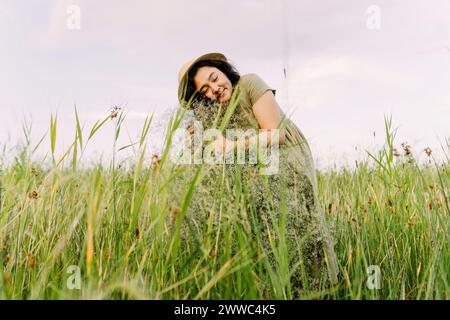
x: 257, y: 87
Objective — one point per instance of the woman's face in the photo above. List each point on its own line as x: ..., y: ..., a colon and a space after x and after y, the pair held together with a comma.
x: 213, y: 84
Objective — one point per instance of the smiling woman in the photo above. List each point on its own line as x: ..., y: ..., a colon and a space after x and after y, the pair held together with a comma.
x: 214, y: 79
x: 206, y: 85
x: 213, y: 84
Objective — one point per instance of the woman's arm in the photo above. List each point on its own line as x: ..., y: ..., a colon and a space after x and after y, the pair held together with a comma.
x: 268, y: 115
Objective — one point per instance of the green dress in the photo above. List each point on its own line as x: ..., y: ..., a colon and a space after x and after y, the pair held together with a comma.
x: 293, y: 190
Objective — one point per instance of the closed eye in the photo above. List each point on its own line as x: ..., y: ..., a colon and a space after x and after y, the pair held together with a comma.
x: 204, y: 89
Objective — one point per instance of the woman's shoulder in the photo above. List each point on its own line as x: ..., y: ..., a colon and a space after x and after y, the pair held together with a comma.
x: 254, y: 86
x: 249, y: 78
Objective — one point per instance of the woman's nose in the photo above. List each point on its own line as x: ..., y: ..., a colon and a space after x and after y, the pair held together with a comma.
x: 216, y: 90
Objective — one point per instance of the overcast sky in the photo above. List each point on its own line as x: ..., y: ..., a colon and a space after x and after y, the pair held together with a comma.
x: 348, y: 64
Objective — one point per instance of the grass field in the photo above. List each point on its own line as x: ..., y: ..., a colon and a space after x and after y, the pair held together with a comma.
x: 111, y: 232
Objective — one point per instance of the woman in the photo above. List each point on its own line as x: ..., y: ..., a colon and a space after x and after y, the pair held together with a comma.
x: 210, y: 80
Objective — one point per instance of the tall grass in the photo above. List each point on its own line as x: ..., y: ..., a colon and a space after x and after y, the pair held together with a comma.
x: 133, y: 234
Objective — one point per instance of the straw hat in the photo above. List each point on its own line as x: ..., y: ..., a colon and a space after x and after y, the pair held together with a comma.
x: 182, y: 74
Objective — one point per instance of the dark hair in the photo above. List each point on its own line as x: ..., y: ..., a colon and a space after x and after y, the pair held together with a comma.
x: 228, y: 69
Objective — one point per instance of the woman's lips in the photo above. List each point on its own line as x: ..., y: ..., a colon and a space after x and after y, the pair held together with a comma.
x: 221, y: 95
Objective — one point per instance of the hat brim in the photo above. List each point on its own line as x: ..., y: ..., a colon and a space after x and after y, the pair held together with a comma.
x: 182, y: 84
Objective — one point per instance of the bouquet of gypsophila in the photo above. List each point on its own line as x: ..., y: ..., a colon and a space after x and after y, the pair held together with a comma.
x: 218, y: 177
x: 232, y: 122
